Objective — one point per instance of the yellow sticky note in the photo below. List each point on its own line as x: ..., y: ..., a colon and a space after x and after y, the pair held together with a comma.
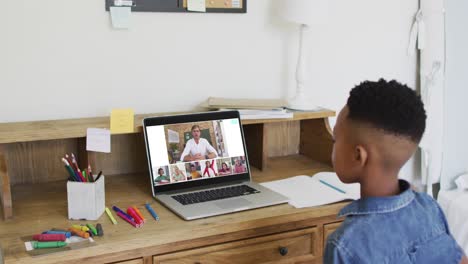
x: 122, y: 121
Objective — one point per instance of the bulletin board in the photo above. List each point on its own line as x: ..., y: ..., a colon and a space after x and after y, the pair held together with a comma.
x: 212, y: 6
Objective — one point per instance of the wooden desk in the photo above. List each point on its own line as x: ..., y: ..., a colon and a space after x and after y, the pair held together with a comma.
x: 32, y: 183
x: 243, y: 237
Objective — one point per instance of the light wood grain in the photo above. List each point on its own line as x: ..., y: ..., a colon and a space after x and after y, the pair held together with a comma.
x: 316, y: 140
x: 42, y: 206
x: 5, y: 194
x: 133, y: 261
x: 40, y: 161
x: 76, y: 128
x: 301, y: 245
x: 283, y: 138
x: 255, y: 141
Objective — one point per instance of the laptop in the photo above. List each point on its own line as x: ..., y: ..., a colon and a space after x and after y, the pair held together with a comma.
x: 199, y: 167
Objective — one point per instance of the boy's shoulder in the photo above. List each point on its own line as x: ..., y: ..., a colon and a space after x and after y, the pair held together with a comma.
x: 419, y: 208
x: 390, y: 229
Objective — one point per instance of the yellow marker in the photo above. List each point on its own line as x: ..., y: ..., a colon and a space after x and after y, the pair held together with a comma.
x: 109, y: 213
x: 80, y: 227
x: 122, y: 121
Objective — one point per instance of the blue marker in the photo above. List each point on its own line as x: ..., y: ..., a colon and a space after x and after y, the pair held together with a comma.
x: 331, y: 186
x: 124, y: 213
x: 152, y: 212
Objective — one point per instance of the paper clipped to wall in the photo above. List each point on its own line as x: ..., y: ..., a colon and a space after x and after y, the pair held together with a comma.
x: 120, y: 16
x: 98, y: 139
x: 122, y: 121
x: 308, y: 191
x: 196, y: 5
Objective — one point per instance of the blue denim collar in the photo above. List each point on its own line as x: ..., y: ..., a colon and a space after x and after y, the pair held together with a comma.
x: 376, y: 205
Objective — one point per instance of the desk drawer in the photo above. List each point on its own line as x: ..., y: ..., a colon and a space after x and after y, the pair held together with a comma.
x: 291, y: 247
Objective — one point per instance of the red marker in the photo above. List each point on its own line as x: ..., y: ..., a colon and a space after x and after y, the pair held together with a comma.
x: 49, y: 237
x: 135, y: 216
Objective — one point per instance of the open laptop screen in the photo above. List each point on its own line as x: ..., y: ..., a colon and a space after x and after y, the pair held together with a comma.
x: 193, y: 150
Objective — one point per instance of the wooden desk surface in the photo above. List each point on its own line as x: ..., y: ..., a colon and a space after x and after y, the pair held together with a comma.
x: 43, y: 206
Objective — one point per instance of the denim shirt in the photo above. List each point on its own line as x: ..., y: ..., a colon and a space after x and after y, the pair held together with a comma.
x: 406, y: 228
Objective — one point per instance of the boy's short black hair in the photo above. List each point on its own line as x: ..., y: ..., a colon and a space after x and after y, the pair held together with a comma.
x: 391, y: 106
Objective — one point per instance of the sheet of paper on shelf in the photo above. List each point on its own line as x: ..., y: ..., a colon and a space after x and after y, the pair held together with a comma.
x: 219, y: 102
x: 308, y: 191
x: 263, y: 114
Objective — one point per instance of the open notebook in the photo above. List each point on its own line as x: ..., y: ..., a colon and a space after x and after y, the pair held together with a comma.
x: 322, y: 188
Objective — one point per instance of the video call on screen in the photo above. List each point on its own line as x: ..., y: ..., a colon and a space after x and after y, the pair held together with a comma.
x: 196, y: 150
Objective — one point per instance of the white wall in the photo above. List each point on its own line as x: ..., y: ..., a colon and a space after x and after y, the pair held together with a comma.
x: 456, y: 92
x: 61, y: 59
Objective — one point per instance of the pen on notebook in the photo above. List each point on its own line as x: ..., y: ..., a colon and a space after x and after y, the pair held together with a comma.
x: 331, y: 186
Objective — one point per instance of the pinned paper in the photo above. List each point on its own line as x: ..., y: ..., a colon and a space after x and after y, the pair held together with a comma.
x: 120, y: 16
x: 196, y: 5
x: 122, y: 121
x: 98, y: 139
x: 236, y: 3
x: 173, y: 136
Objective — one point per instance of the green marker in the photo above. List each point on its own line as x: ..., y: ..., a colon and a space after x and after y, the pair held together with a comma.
x: 54, y: 244
x: 93, y: 229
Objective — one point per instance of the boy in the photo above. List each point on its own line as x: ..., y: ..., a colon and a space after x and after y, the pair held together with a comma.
x: 376, y: 133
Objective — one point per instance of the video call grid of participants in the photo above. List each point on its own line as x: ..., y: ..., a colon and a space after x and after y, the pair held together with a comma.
x: 197, y: 150
x: 197, y: 170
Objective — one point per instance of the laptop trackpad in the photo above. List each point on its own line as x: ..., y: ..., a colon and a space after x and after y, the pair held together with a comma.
x: 233, y: 203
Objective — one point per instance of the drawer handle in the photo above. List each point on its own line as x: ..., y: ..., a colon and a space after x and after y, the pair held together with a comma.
x: 283, y: 251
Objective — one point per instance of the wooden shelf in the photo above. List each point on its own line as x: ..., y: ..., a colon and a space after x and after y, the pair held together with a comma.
x: 43, y: 206
x: 30, y: 152
x: 76, y: 128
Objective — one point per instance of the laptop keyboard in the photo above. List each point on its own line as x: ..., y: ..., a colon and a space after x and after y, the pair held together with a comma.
x: 215, y: 194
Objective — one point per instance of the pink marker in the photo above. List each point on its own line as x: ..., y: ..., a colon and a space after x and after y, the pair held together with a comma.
x: 49, y: 237
x: 127, y: 219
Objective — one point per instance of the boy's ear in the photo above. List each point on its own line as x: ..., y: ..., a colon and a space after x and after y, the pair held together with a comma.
x: 360, y: 155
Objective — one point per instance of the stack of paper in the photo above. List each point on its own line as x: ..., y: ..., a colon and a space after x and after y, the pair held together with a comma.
x: 263, y: 114
x: 322, y: 188
x: 242, y: 103
x: 251, y: 108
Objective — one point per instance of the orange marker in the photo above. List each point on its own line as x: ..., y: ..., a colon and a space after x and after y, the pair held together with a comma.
x: 138, y: 213
x: 80, y: 233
